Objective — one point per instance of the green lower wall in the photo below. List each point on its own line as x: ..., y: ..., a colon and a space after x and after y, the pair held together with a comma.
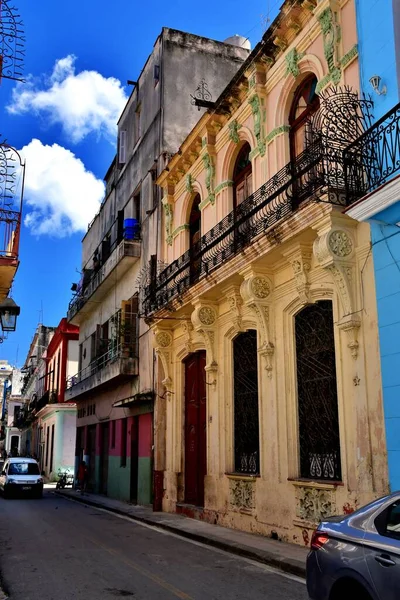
x: 119, y: 479
x: 144, y: 481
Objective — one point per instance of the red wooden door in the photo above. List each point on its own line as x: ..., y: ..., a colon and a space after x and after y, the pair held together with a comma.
x: 195, y: 428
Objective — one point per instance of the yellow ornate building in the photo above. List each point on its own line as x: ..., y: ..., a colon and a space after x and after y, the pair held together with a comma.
x: 270, y: 415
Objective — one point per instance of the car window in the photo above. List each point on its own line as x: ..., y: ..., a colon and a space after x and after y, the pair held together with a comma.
x: 23, y: 469
x: 393, y: 520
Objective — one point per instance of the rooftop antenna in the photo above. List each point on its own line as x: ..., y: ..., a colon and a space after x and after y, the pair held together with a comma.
x: 41, y: 313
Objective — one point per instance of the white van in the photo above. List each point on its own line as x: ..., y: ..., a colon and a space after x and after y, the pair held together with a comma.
x: 21, y: 475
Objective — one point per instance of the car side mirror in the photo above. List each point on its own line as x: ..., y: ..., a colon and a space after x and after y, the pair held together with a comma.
x: 3, y: 472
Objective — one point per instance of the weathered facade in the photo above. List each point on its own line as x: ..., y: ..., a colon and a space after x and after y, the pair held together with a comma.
x: 115, y: 405
x: 264, y: 319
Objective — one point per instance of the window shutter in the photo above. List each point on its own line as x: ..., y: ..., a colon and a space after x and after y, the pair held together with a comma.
x: 98, y: 340
x: 122, y: 147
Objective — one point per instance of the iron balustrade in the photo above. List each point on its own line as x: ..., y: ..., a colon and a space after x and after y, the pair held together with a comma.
x: 118, y: 251
x: 317, y: 170
x: 116, y: 351
x: 374, y: 157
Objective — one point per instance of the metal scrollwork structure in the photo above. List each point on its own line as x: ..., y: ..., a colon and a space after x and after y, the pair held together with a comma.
x: 202, y: 96
x: 12, y: 173
x: 11, y: 42
x: 317, y: 174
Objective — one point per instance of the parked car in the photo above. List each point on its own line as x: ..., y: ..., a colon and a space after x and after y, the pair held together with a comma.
x: 22, y: 476
x: 357, y: 556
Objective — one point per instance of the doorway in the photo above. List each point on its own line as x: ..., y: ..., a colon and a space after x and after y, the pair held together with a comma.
x: 91, y: 442
x: 104, y: 458
x: 195, y: 428
x: 134, y: 459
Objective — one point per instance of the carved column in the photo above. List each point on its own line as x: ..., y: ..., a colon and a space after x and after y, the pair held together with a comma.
x: 256, y: 292
x: 235, y: 301
x: 204, y: 319
x: 299, y: 257
x: 163, y: 349
x: 334, y: 249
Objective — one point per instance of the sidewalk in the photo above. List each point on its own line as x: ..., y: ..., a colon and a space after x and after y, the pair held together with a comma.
x: 287, y: 557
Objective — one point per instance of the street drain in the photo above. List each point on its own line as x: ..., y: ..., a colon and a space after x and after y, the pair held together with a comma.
x: 117, y: 592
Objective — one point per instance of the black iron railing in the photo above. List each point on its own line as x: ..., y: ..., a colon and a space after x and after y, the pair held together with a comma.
x: 374, y: 157
x: 318, y: 170
x: 97, y: 276
x: 117, y: 350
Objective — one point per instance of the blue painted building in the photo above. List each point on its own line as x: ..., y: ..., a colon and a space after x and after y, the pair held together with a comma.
x: 378, y: 24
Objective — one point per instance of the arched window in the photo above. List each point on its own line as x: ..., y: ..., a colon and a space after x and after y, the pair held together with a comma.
x: 246, y: 423
x: 317, y: 393
x: 305, y: 103
x: 194, y: 238
x: 242, y: 176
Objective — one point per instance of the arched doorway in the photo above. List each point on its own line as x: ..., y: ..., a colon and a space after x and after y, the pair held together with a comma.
x: 242, y: 176
x: 195, y: 428
x: 194, y: 239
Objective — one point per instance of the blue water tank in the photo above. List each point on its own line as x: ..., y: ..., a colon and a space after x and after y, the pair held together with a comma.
x: 130, y: 229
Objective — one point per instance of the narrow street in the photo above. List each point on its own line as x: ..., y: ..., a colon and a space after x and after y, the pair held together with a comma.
x: 55, y: 549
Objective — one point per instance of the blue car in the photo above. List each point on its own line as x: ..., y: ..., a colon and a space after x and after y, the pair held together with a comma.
x: 357, y: 556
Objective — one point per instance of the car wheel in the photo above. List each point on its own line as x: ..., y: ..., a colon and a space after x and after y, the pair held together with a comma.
x: 348, y: 589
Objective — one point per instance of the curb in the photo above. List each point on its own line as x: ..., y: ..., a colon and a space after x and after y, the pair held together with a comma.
x: 286, y: 566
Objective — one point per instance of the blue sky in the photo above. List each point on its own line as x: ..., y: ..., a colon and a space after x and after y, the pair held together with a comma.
x: 79, y: 56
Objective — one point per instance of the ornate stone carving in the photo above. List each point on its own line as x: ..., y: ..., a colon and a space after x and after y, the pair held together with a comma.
x: 340, y: 243
x: 210, y: 174
x: 234, y: 127
x: 260, y: 287
x: 235, y: 306
x: 331, y: 34
x: 207, y: 315
x: 242, y: 495
x: 189, y: 183
x: 255, y: 104
x: 299, y: 256
x: 163, y: 339
x: 187, y: 329
x: 204, y: 321
x: 168, y: 212
x: 333, y: 250
x: 292, y: 62
x: 255, y: 291
x: 313, y: 504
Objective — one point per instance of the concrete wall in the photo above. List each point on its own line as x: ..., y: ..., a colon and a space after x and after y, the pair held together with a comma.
x: 72, y: 358
x: 378, y: 26
x: 386, y: 252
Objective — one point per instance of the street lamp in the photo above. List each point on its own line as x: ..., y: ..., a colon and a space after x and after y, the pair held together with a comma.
x: 9, y: 312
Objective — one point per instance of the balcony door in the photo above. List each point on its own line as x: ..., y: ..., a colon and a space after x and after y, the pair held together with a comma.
x: 242, y: 189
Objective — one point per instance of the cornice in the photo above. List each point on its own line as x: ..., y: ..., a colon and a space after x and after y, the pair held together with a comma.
x: 376, y: 202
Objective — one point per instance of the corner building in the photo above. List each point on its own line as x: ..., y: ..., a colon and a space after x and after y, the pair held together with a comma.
x: 265, y: 319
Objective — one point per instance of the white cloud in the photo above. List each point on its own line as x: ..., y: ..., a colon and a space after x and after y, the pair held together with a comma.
x: 82, y: 103
x: 61, y: 197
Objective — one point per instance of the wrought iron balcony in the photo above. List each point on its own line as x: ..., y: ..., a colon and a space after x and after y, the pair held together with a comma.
x: 49, y: 397
x: 317, y: 171
x: 373, y: 158
x: 120, y: 361
x: 121, y: 258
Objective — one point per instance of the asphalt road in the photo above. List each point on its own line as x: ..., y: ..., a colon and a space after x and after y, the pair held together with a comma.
x: 55, y: 549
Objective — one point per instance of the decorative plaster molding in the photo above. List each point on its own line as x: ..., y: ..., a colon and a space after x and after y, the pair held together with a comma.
x: 162, y: 345
x: 328, y: 20
x: 234, y: 127
x: 169, y: 215
x: 313, y: 504
x: 187, y: 330
x: 259, y: 118
x: 256, y: 293
x: 210, y: 174
x: 223, y: 185
x: 349, y: 57
x: 334, y: 250
x: 189, y: 183
x: 235, y: 302
x: 242, y: 495
x: 299, y: 258
x: 292, y: 62
x: 176, y: 231
x: 277, y: 131
x: 204, y: 320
